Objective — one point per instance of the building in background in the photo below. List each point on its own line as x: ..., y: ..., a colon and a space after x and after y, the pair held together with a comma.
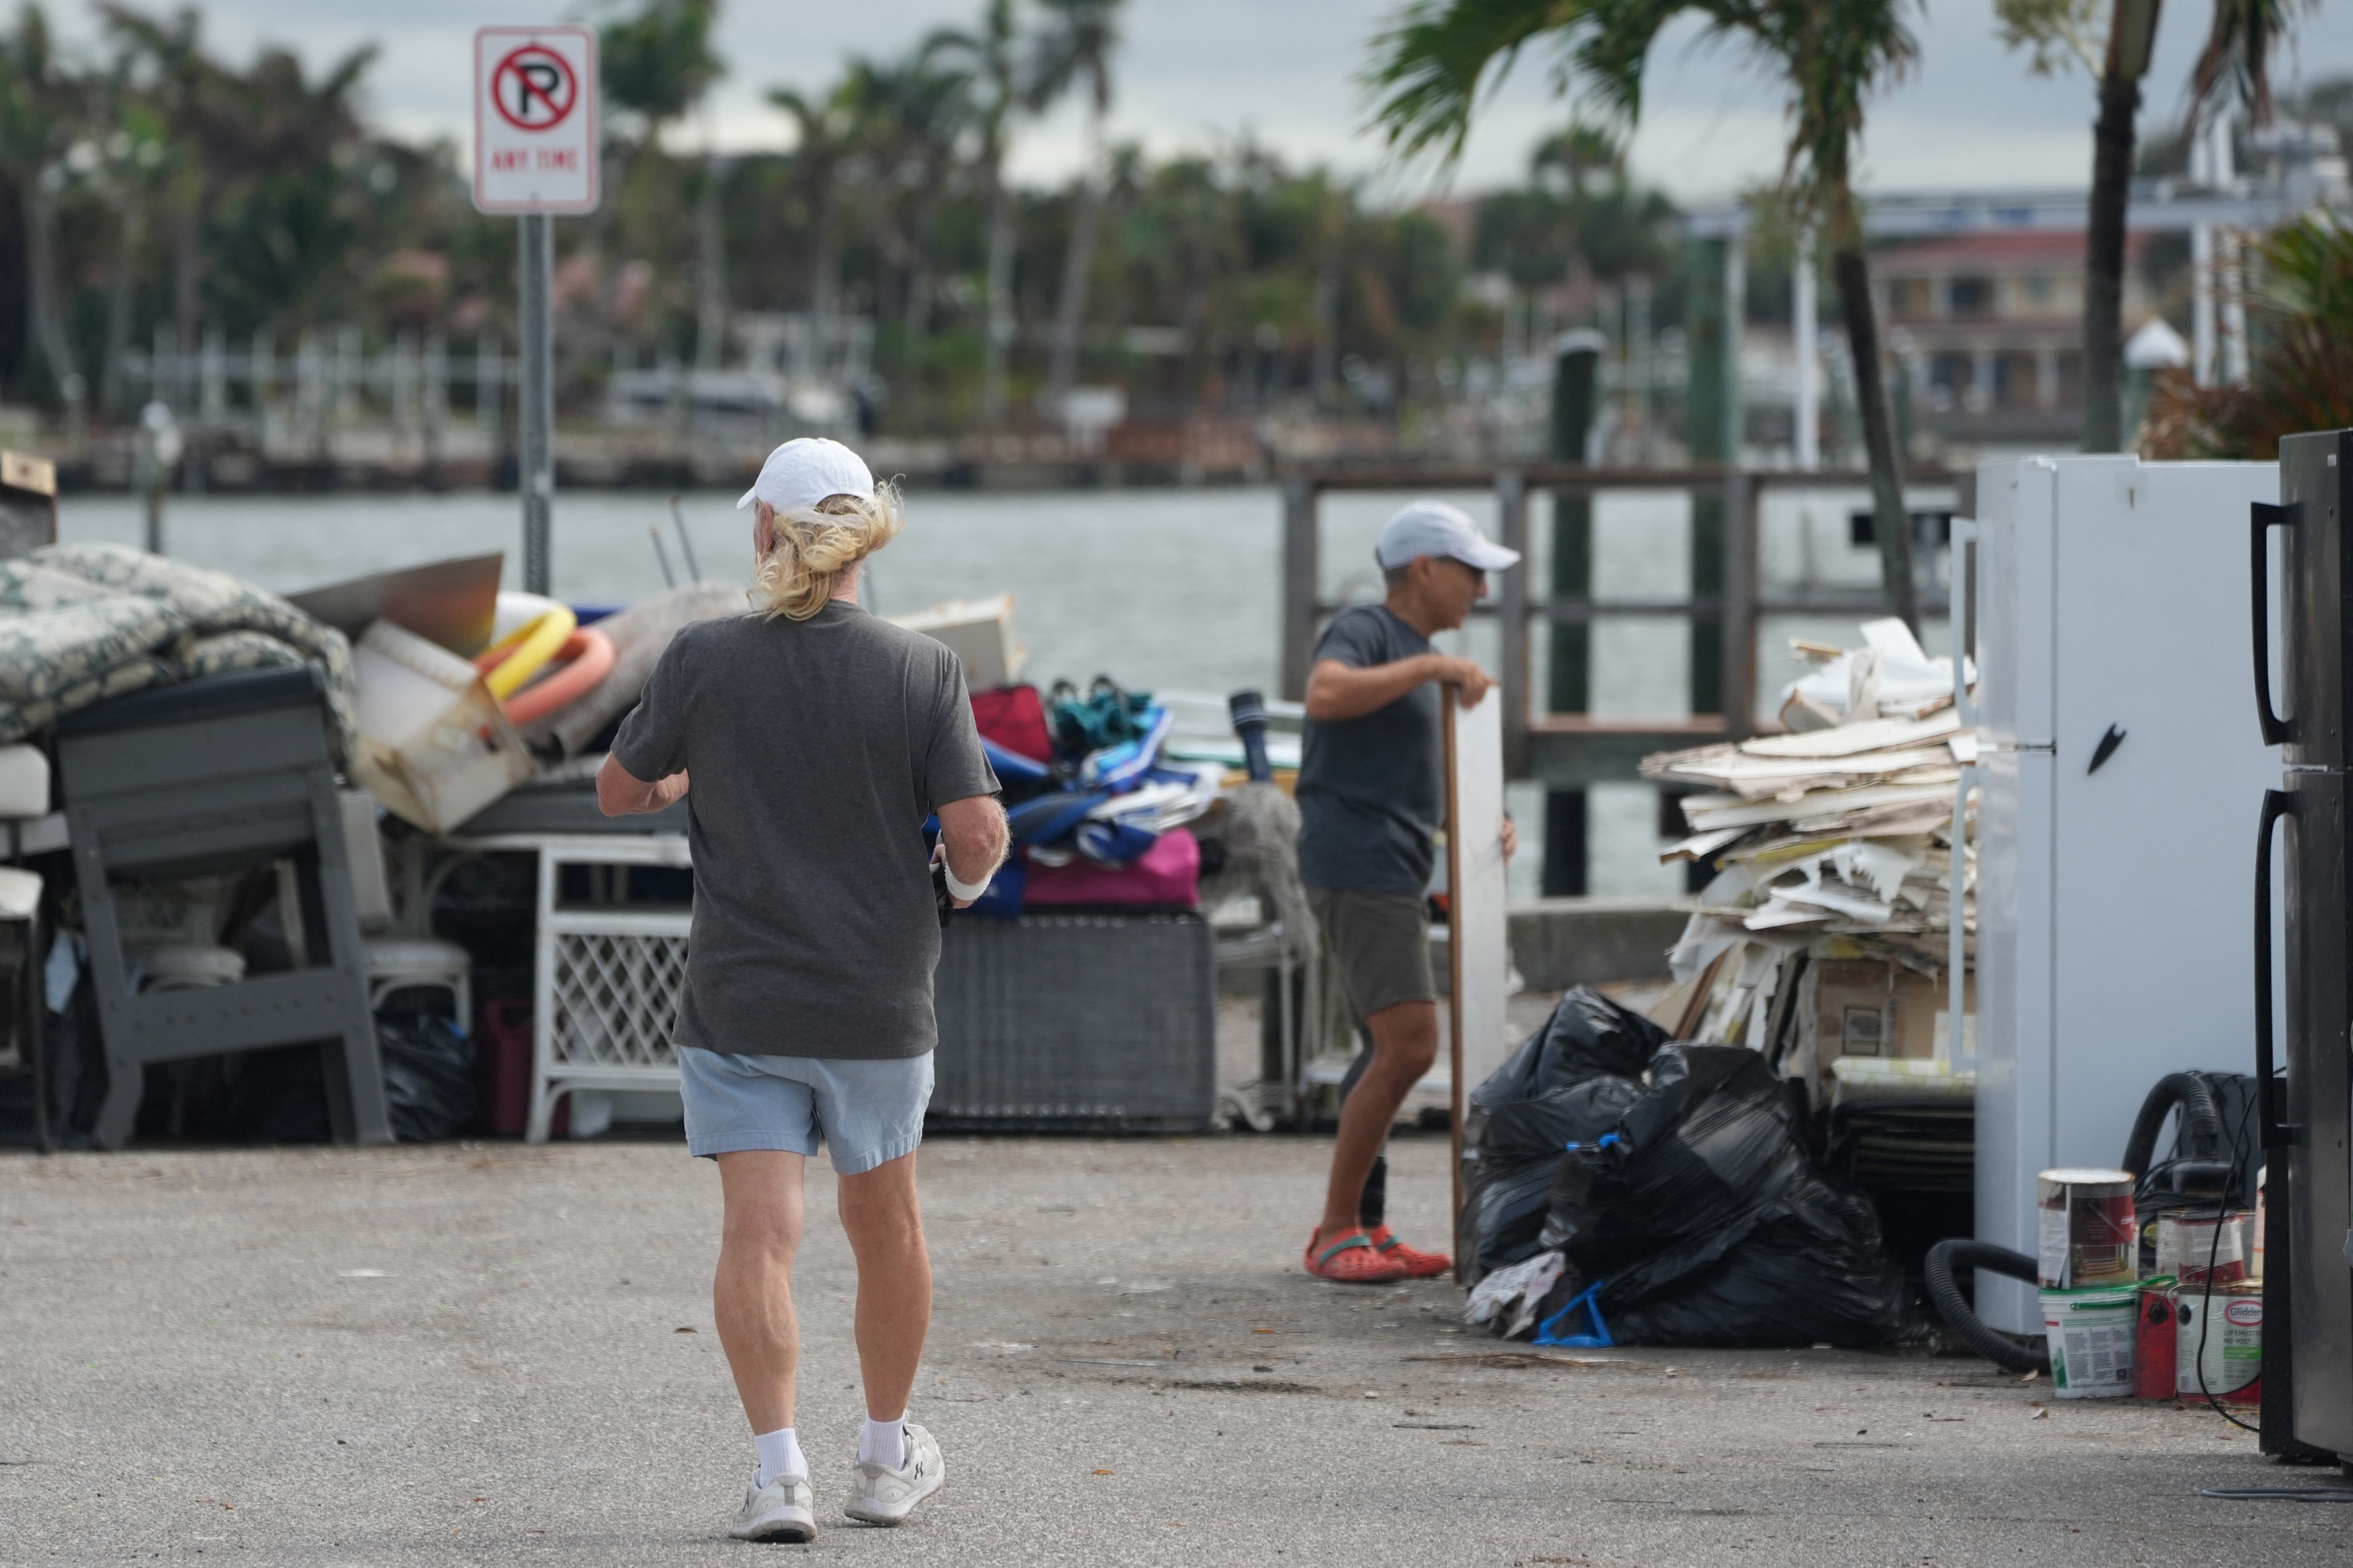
x: 1991, y: 330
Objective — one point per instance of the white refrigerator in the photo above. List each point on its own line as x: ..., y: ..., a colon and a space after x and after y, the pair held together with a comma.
x: 2120, y: 770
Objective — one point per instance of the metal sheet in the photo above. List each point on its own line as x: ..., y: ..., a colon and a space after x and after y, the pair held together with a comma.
x: 451, y: 603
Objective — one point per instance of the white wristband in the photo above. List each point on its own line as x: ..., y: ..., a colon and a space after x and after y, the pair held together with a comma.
x: 967, y: 891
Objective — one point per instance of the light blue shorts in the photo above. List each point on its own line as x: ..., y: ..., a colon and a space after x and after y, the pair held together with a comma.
x: 864, y: 1112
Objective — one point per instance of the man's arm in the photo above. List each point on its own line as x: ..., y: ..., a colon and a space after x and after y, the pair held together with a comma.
x: 974, y: 831
x: 620, y: 793
x: 1337, y: 691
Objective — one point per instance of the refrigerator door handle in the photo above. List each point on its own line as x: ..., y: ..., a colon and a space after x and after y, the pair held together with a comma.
x: 2277, y: 805
x: 2265, y: 516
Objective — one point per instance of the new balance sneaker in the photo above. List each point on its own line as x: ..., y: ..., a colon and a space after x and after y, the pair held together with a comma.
x: 777, y: 1511
x: 881, y: 1496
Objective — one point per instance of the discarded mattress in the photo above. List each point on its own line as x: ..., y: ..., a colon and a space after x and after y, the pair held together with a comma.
x: 81, y: 624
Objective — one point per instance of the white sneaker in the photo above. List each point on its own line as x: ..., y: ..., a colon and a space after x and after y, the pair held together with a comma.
x: 777, y: 1511
x: 881, y: 1496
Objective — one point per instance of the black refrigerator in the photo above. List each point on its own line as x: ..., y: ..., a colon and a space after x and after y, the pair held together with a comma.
x: 2306, y: 1090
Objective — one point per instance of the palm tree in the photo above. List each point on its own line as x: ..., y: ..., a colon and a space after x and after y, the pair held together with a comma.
x: 41, y: 114
x: 913, y: 112
x: 186, y: 85
x: 2237, y: 55
x: 658, y: 64
x: 1830, y: 53
x: 988, y: 64
x: 826, y: 132
x: 1075, y: 49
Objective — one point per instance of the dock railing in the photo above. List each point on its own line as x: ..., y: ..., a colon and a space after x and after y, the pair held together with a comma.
x: 1576, y: 747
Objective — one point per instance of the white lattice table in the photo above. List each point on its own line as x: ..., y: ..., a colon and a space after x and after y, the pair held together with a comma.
x: 606, y: 982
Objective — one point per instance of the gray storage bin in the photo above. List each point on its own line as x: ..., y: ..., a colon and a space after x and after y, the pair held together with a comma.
x: 1076, y: 1022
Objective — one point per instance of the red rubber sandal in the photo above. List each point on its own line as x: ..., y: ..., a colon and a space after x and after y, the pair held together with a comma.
x: 1418, y: 1265
x: 1352, y: 1260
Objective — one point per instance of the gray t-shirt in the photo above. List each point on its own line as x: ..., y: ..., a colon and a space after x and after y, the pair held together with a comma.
x: 815, y: 750
x: 1370, y: 793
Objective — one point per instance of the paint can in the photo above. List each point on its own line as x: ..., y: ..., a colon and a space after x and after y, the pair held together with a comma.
x: 2220, y: 1348
x: 2087, y: 1232
x: 2190, y: 1244
x: 2091, y: 1333
x: 2154, y: 1339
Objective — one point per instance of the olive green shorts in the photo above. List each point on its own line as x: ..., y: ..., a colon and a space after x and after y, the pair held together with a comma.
x: 1380, y: 942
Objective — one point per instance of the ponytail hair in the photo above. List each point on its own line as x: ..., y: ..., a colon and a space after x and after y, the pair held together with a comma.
x: 815, y: 545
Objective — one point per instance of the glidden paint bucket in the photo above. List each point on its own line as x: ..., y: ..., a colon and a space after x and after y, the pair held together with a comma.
x: 2090, y: 1333
x: 2220, y: 1348
x: 2154, y: 1339
x: 2088, y: 1232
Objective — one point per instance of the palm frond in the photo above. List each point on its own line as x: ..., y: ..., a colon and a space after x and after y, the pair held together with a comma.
x: 1427, y: 71
x: 2237, y: 57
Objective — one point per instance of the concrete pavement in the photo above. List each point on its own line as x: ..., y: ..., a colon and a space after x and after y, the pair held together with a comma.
x: 461, y: 1354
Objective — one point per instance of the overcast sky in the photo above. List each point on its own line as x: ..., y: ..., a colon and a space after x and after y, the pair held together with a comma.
x: 1193, y: 72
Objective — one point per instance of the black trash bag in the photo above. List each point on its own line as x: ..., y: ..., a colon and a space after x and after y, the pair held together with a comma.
x: 428, y: 1076
x: 280, y: 1095
x: 1571, y: 1081
x: 1507, y: 1182
x: 1704, y: 1222
x: 1587, y: 1034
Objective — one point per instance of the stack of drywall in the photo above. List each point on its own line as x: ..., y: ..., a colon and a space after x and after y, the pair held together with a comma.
x: 1825, y: 935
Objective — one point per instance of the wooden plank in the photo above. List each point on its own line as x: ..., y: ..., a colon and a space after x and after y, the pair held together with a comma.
x: 1298, y: 569
x: 1479, y: 948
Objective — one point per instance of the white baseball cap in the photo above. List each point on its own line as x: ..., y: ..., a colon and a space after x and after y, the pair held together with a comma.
x: 806, y: 470
x: 1428, y: 527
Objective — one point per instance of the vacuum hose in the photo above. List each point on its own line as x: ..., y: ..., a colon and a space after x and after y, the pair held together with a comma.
x: 2201, y: 1121
x: 1946, y: 1291
x: 2200, y: 1133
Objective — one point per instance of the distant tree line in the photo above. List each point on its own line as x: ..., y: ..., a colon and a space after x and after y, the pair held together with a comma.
x: 151, y: 191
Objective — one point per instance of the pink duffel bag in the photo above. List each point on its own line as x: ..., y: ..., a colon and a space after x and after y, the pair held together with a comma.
x: 1166, y: 876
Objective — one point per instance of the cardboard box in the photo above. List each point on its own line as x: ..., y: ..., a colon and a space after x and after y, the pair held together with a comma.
x: 980, y: 632
x: 1869, y: 1007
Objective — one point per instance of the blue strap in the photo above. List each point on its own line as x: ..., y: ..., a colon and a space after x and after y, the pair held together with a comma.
x: 1013, y: 764
x: 1547, y: 1332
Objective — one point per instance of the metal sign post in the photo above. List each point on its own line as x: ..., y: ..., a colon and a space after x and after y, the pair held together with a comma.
x: 535, y: 473
x: 536, y: 154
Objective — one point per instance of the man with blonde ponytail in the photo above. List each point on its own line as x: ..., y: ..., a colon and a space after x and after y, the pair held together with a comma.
x: 818, y: 740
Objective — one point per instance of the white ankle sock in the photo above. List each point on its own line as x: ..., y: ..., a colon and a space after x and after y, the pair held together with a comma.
x: 780, y: 1455
x: 884, y: 1443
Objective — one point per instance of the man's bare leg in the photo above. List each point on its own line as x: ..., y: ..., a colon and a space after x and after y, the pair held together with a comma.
x: 1405, y: 1043
x: 885, y: 1226
x: 752, y: 1294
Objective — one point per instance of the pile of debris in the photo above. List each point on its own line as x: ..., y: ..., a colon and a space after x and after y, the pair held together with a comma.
x: 1824, y: 940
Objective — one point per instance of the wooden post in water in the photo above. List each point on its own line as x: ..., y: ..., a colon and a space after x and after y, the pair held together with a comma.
x: 1739, y: 600
x: 1512, y: 607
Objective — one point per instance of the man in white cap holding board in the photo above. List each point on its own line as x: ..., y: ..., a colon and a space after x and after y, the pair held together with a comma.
x: 1371, y: 797
x: 818, y: 740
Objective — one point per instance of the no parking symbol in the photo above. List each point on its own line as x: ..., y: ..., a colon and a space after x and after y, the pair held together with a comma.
x: 535, y: 131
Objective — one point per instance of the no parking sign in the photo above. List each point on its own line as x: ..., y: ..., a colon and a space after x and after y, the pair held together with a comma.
x: 536, y: 121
